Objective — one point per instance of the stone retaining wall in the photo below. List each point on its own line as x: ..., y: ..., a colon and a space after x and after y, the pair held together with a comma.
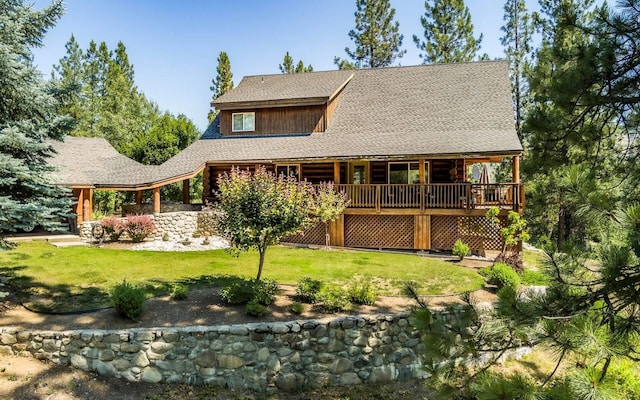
x: 288, y: 356
x: 177, y: 225
x: 164, y: 208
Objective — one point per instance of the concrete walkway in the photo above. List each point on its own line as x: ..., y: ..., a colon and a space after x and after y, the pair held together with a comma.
x: 56, y: 239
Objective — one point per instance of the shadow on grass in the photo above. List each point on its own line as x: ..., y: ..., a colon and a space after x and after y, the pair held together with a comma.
x: 72, y: 299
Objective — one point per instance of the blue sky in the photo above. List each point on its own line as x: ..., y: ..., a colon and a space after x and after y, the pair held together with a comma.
x: 174, y: 45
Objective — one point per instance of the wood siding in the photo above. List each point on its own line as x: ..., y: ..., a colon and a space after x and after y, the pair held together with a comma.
x: 378, y: 172
x: 317, y: 172
x: 279, y: 120
x: 441, y: 170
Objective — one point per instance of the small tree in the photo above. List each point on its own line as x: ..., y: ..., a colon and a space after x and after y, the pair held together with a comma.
x: 258, y: 209
x: 328, y: 205
x: 512, y: 235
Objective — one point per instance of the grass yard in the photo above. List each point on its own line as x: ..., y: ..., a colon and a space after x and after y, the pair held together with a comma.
x: 80, y: 277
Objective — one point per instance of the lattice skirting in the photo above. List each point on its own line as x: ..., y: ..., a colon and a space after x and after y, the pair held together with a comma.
x: 477, y: 232
x: 379, y: 231
x: 313, y: 235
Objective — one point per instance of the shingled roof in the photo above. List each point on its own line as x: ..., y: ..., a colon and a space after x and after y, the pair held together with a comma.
x: 440, y: 110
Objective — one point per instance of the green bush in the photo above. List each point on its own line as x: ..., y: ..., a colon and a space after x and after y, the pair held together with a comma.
x: 308, y: 290
x: 128, y: 300
x: 263, y: 292
x: 296, y: 308
x: 460, y: 249
x: 363, y: 292
x: 503, y: 275
x: 179, y: 292
x: 255, y: 309
x: 334, y: 299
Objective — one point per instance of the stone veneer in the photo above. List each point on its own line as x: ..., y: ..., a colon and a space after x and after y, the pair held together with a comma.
x: 264, y: 357
x: 177, y: 225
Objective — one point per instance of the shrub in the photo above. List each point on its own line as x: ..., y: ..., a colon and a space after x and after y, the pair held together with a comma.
x: 138, y: 227
x: 460, y: 249
x: 334, y: 299
x: 179, y: 292
x: 128, y: 300
x: 263, y: 292
x: 308, y: 289
x: 363, y: 292
x: 255, y: 309
x: 503, y: 275
x: 296, y: 308
x: 112, y: 227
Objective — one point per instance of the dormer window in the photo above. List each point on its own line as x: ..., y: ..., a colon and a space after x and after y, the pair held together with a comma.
x: 244, y: 122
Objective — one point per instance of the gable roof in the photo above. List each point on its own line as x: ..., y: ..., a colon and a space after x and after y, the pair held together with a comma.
x: 439, y: 110
x: 427, y: 111
x: 284, y: 89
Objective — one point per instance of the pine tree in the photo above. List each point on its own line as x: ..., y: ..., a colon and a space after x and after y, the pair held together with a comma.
x: 28, y: 122
x: 376, y: 37
x: 518, y: 29
x: 222, y: 83
x: 448, y: 33
x: 287, y: 66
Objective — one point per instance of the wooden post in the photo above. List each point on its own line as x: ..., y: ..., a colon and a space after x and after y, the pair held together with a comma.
x: 336, y: 232
x: 80, y: 205
x: 515, y: 169
x: 86, y: 205
x: 138, y: 197
x: 336, y: 172
x: 186, y: 199
x: 156, y: 200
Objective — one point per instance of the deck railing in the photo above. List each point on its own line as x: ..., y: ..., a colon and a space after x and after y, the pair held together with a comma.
x: 434, y: 195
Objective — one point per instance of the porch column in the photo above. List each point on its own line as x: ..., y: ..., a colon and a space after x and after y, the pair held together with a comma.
x: 86, y: 204
x: 138, y: 197
x: 186, y: 199
x: 515, y: 169
x: 421, y: 170
x: 156, y: 200
x: 79, y: 193
x: 336, y: 172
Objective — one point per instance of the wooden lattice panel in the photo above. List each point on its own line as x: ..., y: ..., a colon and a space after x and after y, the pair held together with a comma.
x: 379, y: 231
x: 477, y: 232
x: 316, y: 235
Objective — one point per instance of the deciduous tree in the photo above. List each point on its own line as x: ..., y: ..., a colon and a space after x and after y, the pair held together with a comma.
x: 258, y: 209
x: 448, y: 33
x: 29, y: 121
x: 376, y: 37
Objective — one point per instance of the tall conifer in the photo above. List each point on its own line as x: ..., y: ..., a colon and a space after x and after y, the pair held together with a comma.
x: 222, y: 83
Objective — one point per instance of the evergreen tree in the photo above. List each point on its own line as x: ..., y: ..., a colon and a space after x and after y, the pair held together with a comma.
x: 448, y: 33
x: 287, y: 66
x: 69, y: 73
x: 518, y: 29
x: 376, y: 37
x: 222, y: 83
x: 28, y: 122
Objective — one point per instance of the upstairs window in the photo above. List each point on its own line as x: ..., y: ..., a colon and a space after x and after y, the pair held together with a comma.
x: 243, y: 122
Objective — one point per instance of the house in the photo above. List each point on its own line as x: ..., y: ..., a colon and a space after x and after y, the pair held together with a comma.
x: 399, y: 141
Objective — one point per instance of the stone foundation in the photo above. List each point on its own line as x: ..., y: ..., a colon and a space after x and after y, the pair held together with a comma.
x: 176, y: 225
x: 288, y: 356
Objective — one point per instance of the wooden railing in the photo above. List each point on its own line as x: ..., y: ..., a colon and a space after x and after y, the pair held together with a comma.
x: 434, y: 195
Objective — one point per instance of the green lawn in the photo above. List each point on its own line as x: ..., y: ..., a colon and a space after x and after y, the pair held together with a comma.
x: 80, y: 277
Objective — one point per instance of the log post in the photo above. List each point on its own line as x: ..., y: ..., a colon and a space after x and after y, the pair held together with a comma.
x: 138, y: 197
x: 156, y: 200
x: 515, y: 169
x: 186, y: 199
x: 336, y: 172
x: 79, y: 206
x: 86, y: 204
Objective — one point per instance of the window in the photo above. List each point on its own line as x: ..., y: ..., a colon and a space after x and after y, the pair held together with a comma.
x: 243, y: 122
x: 407, y: 172
x: 286, y: 170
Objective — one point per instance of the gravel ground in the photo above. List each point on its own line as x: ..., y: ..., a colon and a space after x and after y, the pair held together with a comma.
x: 195, y: 244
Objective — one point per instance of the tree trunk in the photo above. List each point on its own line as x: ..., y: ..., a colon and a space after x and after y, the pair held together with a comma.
x: 327, y: 239
x: 261, y: 250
